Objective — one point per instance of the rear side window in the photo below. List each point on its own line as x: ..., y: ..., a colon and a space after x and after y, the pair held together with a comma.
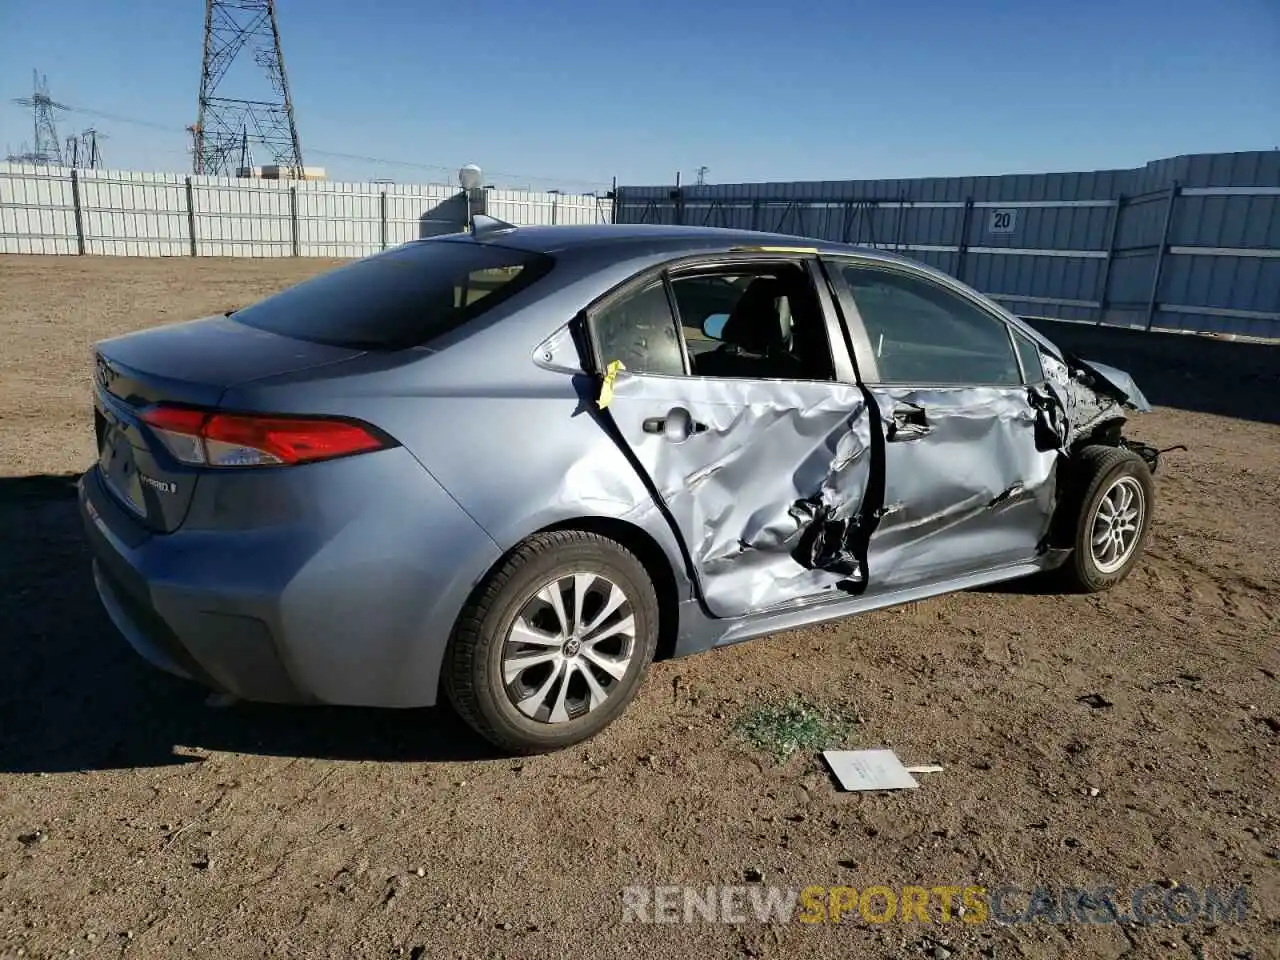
x: 640, y: 330
x: 402, y: 298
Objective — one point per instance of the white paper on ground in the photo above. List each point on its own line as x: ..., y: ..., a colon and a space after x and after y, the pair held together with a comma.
x: 869, y: 770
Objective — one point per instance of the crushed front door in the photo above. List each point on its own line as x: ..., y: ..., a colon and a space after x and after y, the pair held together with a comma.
x: 970, y: 478
x: 967, y: 487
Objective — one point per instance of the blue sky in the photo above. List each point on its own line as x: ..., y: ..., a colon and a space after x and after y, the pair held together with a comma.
x: 570, y: 93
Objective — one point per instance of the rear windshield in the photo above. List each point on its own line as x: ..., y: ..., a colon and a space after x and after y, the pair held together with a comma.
x: 402, y: 298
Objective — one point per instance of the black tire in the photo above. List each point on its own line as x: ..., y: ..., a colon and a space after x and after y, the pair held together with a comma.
x: 473, y: 674
x: 1093, y: 472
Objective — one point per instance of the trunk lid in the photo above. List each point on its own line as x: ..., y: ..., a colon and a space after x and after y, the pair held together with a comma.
x: 190, y: 363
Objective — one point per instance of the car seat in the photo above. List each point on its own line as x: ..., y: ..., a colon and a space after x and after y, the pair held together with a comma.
x: 753, y: 342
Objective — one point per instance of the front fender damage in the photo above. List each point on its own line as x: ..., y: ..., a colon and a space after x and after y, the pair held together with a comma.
x: 1097, y: 399
x: 1094, y: 397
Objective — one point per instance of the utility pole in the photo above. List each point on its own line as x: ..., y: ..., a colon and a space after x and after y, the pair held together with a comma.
x: 241, y: 46
x: 702, y: 175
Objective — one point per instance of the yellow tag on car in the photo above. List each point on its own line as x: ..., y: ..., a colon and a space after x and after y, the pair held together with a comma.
x: 606, y: 388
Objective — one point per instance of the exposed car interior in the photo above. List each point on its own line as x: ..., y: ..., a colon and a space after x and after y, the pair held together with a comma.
x: 772, y: 328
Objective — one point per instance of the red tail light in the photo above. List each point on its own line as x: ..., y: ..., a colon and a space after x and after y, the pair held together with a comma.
x: 203, y: 437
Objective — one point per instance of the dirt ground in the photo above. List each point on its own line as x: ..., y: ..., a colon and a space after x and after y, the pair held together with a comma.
x: 138, y: 820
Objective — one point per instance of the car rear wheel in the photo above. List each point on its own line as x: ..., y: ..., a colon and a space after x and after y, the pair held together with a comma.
x: 1111, y: 514
x: 555, y: 643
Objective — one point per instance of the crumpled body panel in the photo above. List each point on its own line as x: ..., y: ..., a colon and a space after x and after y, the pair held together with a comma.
x: 765, y: 486
x: 785, y: 491
x: 1092, y: 394
x: 975, y: 492
x: 1117, y: 381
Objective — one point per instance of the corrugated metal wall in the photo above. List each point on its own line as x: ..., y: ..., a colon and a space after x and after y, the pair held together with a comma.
x: 57, y: 210
x: 1187, y: 243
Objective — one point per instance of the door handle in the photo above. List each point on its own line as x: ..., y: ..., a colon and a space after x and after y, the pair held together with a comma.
x: 909, y: 423
x: 678, y: 425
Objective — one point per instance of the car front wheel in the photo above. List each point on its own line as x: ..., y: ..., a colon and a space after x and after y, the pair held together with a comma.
x: 1112, y: 515
x: 555, y: 643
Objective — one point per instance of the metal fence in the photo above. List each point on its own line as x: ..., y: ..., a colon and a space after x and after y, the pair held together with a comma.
x: 1188, y: 243
x: 58, y: 210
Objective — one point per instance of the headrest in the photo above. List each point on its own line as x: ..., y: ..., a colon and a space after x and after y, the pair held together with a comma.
x: 754, y: 325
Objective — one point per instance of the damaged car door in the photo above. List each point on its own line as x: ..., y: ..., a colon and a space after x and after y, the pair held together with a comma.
x: 969, y: 479
x: 736, y: 400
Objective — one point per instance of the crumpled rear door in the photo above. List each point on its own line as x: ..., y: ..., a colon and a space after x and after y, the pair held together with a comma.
x: 763, y: 479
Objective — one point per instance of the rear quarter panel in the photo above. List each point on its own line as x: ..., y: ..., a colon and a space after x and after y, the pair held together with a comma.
x: 503, y: 418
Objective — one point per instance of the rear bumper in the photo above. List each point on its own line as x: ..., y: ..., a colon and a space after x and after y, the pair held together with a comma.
x: 226, y: 652
x: 335, y: 603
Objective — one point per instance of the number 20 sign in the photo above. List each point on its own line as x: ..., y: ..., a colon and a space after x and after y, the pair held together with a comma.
x: 1002, y: 221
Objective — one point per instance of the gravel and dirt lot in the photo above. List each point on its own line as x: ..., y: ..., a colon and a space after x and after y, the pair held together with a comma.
x: 139, y: 820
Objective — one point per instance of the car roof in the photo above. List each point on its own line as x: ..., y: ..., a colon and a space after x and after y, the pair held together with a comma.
x: 666, y: 238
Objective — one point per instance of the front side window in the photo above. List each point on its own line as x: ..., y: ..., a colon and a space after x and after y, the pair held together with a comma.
x: 401, y: 298
x: 922, y: 333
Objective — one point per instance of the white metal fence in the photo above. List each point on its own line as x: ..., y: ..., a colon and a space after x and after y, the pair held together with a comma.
x: 125, y: 213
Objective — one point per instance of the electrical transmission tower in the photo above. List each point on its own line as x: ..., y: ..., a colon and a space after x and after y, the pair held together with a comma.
x: 226, y: 127
x: 83, y: 150
x: 46, y: 148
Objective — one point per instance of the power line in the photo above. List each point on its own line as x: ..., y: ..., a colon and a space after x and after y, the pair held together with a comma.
x: 102, y: 114
x: 335, y: 154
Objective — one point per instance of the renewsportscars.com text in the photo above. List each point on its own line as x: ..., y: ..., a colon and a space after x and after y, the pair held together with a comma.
x: 1005, y: 904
